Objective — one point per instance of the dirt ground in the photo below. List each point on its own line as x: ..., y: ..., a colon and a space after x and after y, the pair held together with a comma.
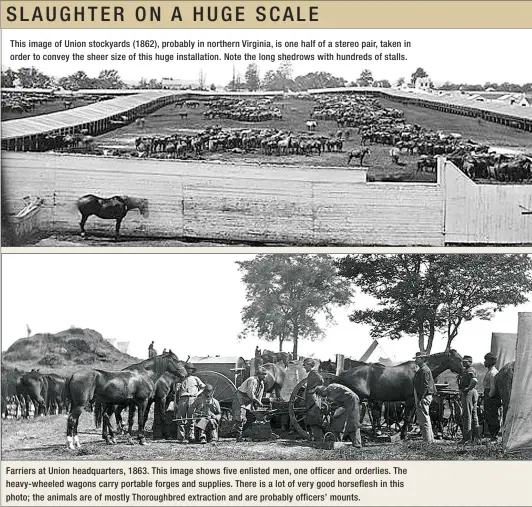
x: 44, y: 439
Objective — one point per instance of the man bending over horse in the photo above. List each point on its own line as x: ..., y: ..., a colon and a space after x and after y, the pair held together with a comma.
x: 423, y: 391
x: 207, y: 408
x: 187, y: 393
x: 247, y: 397
x: 346, y: 418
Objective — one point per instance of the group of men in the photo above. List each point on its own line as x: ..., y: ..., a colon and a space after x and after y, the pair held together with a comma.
x: 467, y: 383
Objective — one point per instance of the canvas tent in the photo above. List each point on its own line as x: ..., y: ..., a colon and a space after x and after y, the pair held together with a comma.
x: 517, y: 431
x: 377, y: 354
x: 503, y: 346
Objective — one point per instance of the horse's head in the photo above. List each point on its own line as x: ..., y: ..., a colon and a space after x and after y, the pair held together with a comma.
x: 455, y: 361
x: 175, y: 366
x: 142, y: 205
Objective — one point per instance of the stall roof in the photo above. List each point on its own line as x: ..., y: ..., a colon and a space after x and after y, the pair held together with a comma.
x: 46, y: 123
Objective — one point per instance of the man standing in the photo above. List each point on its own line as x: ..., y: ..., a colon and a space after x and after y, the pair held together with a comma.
x: 394, y: 154
x: 151, y: 351
x: 207, y: 408
x: 491, y: 404
x: 247, y: 397
x: 423, y: 391
x: 346, y: 418
x: 467, y: 382
x: 313, y: 417
x: 186, y: 395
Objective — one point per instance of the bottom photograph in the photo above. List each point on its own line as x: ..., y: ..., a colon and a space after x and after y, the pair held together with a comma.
x: 115, y: 356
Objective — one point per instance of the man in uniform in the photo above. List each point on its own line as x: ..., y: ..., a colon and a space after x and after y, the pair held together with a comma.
x: 247, y: 396
x: 491, y: 402
x: 186, y: 395
x: 313, y: 417
x: 467, y: 382
x: 423, y: 391
x: 151, y: 351
x: 207, y: 408
x: 346, y: 418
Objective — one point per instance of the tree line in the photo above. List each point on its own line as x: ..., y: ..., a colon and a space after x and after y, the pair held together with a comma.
x: 416, y: 296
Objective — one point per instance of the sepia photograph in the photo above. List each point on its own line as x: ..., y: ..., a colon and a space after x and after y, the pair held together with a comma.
x: 300, y: 138
x: 266, y: 357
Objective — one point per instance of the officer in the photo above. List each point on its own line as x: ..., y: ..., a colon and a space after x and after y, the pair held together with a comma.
x: 467, y: 382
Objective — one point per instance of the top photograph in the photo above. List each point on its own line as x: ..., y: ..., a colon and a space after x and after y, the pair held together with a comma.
x: 177, y: 138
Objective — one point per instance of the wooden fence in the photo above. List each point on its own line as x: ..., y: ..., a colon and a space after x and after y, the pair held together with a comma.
x: 273, y: 204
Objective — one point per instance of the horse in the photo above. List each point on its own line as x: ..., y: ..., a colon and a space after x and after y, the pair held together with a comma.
x: 359, y: 154
x: 503, y: 386
x: 268, y: 356
x: 114, y: 208
x: 311, y: 125
x: 123, y: 388
x: 395, y: 383
x: 274, y: 380
x: 33, y: 386
x: 54, y: 401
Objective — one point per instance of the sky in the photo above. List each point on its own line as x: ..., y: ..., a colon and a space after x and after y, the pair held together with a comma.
x: 190, y: 303
x: 460, y: 56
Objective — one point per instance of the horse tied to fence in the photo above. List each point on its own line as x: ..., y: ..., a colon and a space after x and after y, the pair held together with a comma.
x: 112, y: 208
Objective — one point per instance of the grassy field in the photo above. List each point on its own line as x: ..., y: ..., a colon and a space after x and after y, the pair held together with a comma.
x: 48, y: 107
x: 44, y: 439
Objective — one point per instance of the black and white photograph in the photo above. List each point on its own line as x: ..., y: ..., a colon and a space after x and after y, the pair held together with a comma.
x: 294, y: 138
x: 266, y: 357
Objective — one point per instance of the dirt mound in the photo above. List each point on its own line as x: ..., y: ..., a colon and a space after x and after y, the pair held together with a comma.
x: 66, y: 351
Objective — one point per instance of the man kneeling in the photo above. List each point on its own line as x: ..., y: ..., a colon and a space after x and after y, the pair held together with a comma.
x: 207, y: 409
x: 346, y: 418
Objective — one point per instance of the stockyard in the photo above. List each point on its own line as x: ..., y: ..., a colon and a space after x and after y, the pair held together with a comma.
x: 330, y: 167
x: 34, y: 427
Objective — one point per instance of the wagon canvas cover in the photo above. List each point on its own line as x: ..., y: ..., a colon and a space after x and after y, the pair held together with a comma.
x: 517, y: 432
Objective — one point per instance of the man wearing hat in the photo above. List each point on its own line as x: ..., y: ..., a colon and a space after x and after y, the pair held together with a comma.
x: 345, y: 420
x: 491, y: 401
x: 423, y: 391
x: 247, y: 397
x: 186, y: 394
x: 207, y: 409
x: 467, y: 382
x: 313, y: 417
x: 151, y: 351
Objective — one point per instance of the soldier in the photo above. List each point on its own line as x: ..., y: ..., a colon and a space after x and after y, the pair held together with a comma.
x: 394, y: 154
x: 151, y: 351
x: 247, y: 397
x: 186, y: 395
x: 423, y: 391
x: 346, y: 418
x: 313, y: 417
x: 207, y: 408
x: 491, y: 401
x: 258, y: 353
x: 467, y: 382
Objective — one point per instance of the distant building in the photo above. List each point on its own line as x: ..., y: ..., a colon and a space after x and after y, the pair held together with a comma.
x: 169, y: 83
x: 423, y: 84
x: 514, y: 99
x: 121, y: 346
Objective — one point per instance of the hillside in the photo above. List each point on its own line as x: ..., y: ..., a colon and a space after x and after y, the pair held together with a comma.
x: 64, y: 352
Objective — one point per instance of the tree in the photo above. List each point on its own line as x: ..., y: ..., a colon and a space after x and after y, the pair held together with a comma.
x: 286, y: 293
x: 8, y: 78
x: 252, y: 77
x: 400, y: 82
x: 366, y: 78
x: 77, y: 81
x: 383, y: 83
x: 418, y: 73
x: 109, y: 80
x: 202, y: 79
x: 33, y: 78
x: 279, y: 80
x: 421, y: 294
x: 318, y: 80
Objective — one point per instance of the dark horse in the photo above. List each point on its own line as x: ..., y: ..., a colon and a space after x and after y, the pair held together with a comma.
x: 161, y: 396
x: 396, y: 383
x: 274, y: 380
x: 114, y: 208
x: 503, y: 385
x: 268, y: 356
x: 132, y: 387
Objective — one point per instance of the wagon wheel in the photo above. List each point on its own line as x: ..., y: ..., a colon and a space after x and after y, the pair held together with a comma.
x: 224, y: 389
x: 296, y: 406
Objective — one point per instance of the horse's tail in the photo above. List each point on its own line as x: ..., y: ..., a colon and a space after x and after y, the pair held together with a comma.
x: 98, y: 414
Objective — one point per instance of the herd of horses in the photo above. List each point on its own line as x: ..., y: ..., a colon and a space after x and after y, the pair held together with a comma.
x: 153, y: 381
